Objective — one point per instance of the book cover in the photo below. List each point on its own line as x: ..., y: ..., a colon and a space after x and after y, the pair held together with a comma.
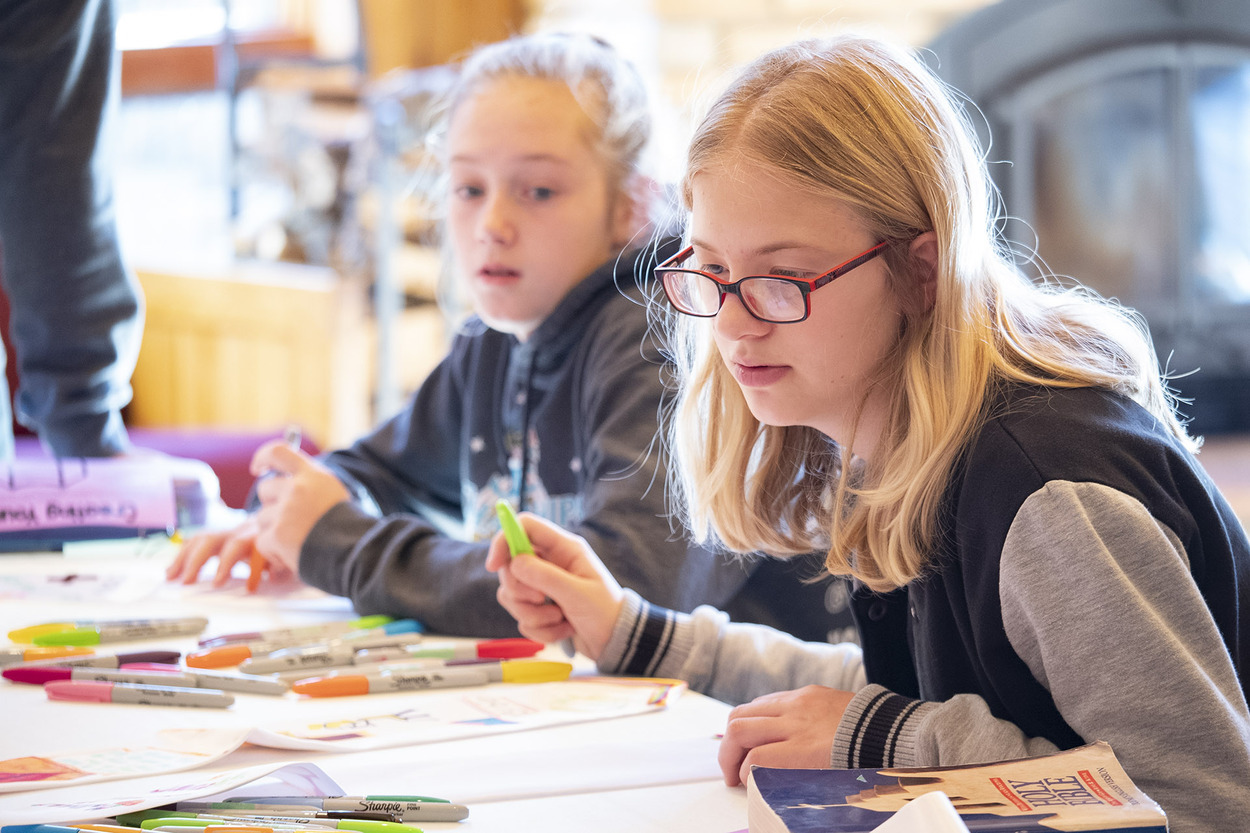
x: 1082, y: 789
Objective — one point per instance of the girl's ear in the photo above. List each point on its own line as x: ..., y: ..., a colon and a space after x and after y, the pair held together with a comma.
x: 631, y: 210
x: 924, y: 255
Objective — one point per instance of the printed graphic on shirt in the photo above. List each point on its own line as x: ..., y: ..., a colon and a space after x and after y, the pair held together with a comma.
x: 481, y: 521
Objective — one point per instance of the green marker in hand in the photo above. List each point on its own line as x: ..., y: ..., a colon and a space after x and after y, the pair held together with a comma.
x: 519, y: 544
x: 513, y: 532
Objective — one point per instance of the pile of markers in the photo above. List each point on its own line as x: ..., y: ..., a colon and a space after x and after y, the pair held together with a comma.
x: 61, y: 657
x: 373, y: 654
x: 359, y: 656
x: 273, y: 814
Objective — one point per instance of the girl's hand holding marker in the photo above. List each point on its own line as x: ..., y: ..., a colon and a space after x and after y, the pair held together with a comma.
x: 563, y: 593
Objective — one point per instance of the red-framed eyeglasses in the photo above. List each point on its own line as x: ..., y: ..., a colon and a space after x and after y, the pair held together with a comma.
x: 776, y: 299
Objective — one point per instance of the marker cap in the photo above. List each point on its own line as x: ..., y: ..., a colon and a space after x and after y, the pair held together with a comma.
x: 508, y: 648
x: 28, y: 634
x: 79, y: 691
x: 219, y: 657
x: 513, y: 532
x: 38, y: 675
x: 338, y: 686
x: 535, y: 671
x: 74, y: 636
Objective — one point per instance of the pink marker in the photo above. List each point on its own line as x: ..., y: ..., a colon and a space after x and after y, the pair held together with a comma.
x: 83, y: 691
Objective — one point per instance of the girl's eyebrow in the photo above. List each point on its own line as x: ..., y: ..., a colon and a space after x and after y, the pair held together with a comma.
x: 529, y: 157
x: 781, y: 246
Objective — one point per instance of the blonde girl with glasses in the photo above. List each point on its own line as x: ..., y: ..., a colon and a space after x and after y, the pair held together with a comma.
x: 549, y: 396
x: 1038, y: 559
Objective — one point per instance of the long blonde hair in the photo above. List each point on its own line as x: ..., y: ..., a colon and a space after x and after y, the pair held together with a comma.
x: 868, y: 124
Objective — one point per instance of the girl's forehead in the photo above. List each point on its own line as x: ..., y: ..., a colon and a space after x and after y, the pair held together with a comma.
x: 521, y: 116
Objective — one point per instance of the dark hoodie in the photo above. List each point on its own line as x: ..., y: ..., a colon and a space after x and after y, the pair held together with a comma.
x: 563, y: 425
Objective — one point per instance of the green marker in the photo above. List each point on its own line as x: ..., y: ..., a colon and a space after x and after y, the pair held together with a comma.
x: 513, y: 532
x: 519, y: 544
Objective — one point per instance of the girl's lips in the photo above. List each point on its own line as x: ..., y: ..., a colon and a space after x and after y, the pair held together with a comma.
x: 758, y: 375
x: 495, y: 273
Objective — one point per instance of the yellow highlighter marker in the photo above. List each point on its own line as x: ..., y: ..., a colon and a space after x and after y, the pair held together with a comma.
x: 513, y: 532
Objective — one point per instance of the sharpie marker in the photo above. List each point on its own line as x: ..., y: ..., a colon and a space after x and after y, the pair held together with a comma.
x: 317, y: 632
x: 189, y: 823
x: 409, y: 807
x: 210, y: 820
x: 228, y: 827
x: 512, y: 671
x: 97, y: 634
x: 325, y: 655
x: 99, y: 661
x: 8, y: 656
x: 224, y: 680
x: 87, y: 691
x: 233, y: 654
x: 184, y: 825
x: 514, y: 648
x: 307, y: 817
x: 40, y: 676
x: 27, y: 634
x: 244, y: 808
x: 371, y: 668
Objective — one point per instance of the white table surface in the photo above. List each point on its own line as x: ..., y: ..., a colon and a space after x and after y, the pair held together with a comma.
x: 633, y: 774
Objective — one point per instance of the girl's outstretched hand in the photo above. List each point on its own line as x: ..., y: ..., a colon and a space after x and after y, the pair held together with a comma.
x: 294, y: 490
x: 791, y: 729
x: 561, y: 591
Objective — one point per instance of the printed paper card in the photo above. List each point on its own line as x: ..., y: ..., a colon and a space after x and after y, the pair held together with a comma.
x: 96, y: 801
x: 179, y: 749
x: 472, y: 712
x: 427, y: 718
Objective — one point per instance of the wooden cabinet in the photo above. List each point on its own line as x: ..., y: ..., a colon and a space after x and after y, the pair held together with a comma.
x: 260, y: 347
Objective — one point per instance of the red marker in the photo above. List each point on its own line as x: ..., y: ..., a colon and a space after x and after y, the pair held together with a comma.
x: 515, y: 648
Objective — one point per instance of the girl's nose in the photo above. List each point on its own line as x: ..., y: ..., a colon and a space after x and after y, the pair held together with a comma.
x: 734, y: 322
x: 496, y: 224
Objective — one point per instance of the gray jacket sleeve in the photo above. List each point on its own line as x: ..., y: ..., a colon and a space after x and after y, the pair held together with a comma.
x: 734, y: 662
x: 392, y: 549
x: 1125, y: 645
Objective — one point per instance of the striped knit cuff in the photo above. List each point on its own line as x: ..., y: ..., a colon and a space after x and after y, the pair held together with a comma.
x: 878, y: 729
x: 640, y: 638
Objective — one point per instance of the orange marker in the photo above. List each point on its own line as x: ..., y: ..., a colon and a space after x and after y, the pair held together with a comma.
x: 8, y: 656
x: 257, y: 564
x: 227, y: 655
x: 420, y: 679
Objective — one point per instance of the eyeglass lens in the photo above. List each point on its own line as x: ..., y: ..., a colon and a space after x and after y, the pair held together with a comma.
x: 697, y: 294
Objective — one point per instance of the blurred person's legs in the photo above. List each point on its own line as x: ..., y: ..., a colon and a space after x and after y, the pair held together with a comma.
x: 76, y: 315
